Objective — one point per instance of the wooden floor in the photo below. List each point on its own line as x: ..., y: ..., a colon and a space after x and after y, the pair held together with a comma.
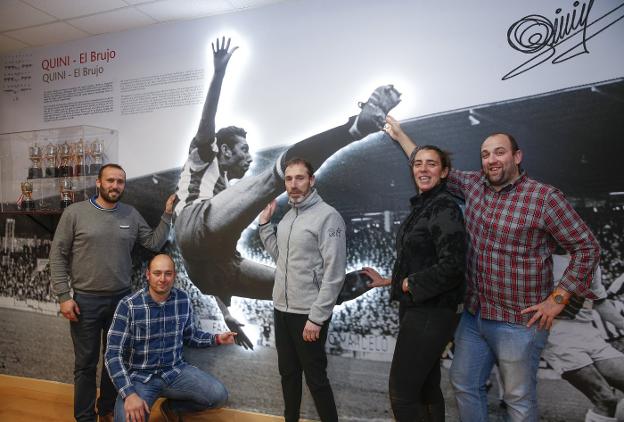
x: 34, y: 400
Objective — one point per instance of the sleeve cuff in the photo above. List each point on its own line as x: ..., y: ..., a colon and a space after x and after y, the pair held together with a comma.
x: 315, y: 323
x: 64, y: 297
x: 579, y: 290
x: 126, y: 391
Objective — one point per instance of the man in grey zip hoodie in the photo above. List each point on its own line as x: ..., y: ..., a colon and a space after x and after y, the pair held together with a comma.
x: 309, y: 248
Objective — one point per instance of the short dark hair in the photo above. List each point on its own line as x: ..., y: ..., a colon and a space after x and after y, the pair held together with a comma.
x: 149, y: 264
x: 227, y: 136
x: 512, y: 140
x: 296, y: 160
x: 445, y: 156
x: 109, y: 165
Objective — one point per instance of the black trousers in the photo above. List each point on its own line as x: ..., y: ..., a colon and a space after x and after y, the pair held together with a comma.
x: 415, y: 392
x: 295, y: 356
x: 89, y: 338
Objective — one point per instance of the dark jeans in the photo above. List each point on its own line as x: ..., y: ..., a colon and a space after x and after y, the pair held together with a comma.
x: 89, y: 337
x: 294, y: 356
x: 415, y: 392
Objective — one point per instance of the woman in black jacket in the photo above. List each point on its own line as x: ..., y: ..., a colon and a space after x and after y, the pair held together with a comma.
x: 428, y: 282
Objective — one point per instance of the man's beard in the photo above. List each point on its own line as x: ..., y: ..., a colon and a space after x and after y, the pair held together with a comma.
x: 104, y: 194
x: 504, y: 177
x: 300, y: 198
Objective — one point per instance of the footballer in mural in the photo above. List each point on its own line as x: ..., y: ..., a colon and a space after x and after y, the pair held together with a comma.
x: 212, y: 213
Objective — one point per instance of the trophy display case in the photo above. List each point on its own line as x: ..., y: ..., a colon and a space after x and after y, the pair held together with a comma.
x: 44, y: 171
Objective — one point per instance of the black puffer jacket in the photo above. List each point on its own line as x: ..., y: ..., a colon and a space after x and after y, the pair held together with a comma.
x: 431, y: 250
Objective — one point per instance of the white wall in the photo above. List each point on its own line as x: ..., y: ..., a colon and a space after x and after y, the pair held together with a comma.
x: 303, y: 64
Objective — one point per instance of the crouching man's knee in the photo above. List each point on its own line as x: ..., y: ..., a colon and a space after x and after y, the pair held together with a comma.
x: 214, y: 396
x: 221, y: 397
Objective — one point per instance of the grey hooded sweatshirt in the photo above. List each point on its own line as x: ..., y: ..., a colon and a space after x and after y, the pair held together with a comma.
x: 310, y: 251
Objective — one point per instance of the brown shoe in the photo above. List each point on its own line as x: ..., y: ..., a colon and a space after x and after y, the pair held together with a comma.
x: 168, y: 414
x: 106, y: 418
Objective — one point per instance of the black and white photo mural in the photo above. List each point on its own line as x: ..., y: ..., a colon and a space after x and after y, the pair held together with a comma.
x: 550, y: 73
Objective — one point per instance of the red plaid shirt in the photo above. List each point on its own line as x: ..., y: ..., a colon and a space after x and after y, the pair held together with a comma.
x: 512, y: 234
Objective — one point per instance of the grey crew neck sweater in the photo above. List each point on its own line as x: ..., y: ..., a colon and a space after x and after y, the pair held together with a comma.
x: 92, y: 246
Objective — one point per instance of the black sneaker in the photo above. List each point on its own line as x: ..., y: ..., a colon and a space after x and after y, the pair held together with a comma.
x: 374, y: 111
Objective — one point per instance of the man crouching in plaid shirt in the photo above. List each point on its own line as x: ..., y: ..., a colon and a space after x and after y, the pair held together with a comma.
x: 144, y: 352
x: 514, y: 224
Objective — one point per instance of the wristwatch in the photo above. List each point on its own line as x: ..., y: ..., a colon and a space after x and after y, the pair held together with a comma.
x: 559, y: 298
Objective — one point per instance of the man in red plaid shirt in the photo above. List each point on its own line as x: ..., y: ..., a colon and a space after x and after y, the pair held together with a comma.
x: 514, y: 224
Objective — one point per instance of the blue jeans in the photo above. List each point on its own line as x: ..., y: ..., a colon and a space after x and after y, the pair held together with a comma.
x: 479, y: 344
x: 192, y: 391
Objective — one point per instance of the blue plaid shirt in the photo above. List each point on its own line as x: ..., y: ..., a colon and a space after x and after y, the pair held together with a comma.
x: 146, y: 338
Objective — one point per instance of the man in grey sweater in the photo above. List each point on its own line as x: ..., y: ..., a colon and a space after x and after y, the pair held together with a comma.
x: 309, y: 248
x: 92, y: 248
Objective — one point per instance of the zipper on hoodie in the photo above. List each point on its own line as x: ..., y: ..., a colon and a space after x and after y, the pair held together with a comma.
x: 287, y: 257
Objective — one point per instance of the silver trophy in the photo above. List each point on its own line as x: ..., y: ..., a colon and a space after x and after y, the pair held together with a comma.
x: 50, y: 156
x: 97, y: 153
x: 27, y: 190
x: 67, y: 192
x: 35, y: 154
x: 65, y: 169
x: 80, y: 167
